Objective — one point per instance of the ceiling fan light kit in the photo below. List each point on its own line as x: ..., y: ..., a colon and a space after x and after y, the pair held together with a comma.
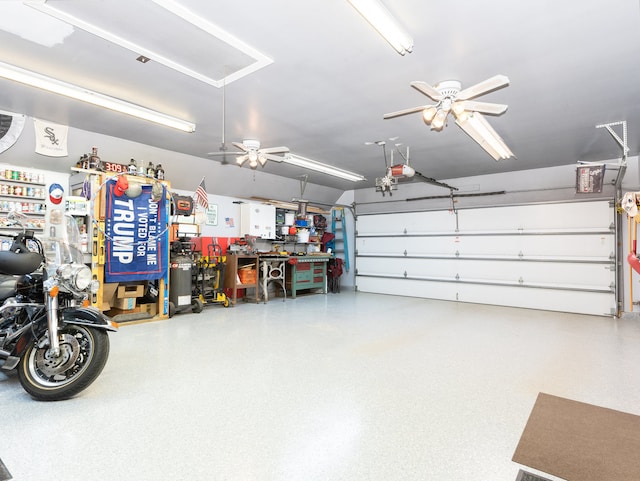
x: 386, y: 24
x: 450, y: 97
x: 76, y: 92
x: 250, y: 150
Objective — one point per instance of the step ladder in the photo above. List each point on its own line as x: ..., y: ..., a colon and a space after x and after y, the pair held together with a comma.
x: 339, y: 226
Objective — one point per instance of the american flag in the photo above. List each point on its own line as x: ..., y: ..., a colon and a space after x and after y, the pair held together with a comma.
x: 201, y: 195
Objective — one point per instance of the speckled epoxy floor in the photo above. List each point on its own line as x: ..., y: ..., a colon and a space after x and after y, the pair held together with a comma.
x: 348, y: 386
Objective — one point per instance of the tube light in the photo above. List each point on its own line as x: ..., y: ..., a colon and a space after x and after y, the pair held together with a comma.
x: 320, y: 167
x: 381, y: 19
x: 479, y: 130
x: 76, y: 92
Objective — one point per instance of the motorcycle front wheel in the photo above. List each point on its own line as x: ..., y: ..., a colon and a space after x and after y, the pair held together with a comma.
x: 83, y: 354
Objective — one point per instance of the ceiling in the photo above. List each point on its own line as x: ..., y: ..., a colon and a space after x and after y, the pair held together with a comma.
x: 314, y: 76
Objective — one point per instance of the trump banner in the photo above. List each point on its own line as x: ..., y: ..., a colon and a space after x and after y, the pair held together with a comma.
x: 136, y: 235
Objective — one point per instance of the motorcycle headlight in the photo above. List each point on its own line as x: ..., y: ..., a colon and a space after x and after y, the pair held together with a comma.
x: 77, y: 276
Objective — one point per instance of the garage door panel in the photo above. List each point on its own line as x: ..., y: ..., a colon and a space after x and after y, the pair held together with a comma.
x: 584, y: 245
x: 411, y: 222
x: 574, y: 215
x: 593, y: 275
x: 561, y: 254
x: 591, y: 303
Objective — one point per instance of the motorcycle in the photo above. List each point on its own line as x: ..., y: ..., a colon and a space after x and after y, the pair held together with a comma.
x: 48, y: 330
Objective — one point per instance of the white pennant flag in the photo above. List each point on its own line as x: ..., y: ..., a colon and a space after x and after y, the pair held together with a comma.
x: 51, y: 139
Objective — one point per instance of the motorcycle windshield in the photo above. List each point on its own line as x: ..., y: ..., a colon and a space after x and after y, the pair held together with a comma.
x: 64, y: 247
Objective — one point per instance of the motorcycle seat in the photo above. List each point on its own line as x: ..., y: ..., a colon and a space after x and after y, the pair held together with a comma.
x: 19, y: 264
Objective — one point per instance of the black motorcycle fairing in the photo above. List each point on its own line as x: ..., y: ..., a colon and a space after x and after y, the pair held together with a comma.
x: 8, y: 286
x: 17, y: 264
x: 89, y: 316
x: 28, y: 285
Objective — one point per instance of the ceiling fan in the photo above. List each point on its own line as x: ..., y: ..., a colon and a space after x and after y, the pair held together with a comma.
x: 249, y: 149
x: 450, y: 97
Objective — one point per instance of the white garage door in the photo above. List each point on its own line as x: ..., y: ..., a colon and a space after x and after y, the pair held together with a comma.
x: 558, y: 257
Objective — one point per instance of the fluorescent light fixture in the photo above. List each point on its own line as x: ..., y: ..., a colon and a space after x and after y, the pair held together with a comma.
x: 381, y: 19
x: 76, y: 92
x: 320, y: 167
x: 476, y: 126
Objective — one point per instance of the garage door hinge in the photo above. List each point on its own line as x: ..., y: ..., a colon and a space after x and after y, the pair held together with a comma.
x: 612, y: 227
x: 521, y: 281
x: 405, y: 252
x: 520, y: 254
x: 612, y: 287
x: 457, y: 254
x: 405, y: 274
x: 457, y: 277
x: 405, y: 230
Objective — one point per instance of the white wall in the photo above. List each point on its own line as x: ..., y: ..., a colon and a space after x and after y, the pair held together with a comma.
x: 184, y: 172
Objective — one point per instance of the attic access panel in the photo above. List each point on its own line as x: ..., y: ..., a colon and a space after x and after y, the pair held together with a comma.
x: 164, y: 31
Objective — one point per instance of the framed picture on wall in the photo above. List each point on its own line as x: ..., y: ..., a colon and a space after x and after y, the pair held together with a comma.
x: 212, y: 215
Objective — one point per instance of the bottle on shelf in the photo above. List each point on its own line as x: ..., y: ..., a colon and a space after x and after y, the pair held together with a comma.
x: 83, y: 163
x: 159, y: 172
x: 94, y: 161
x: 151, y: 171
x: 132, y: 168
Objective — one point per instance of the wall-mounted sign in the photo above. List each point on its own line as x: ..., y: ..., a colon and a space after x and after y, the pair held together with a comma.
x: 589, y: 179
x: 212, y: 215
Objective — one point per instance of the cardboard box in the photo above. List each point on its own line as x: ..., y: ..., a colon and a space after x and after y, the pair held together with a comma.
x: 108, y: 295
x: 152, y: 309
x: 130, y: 290
x: 125, y: 303
x: 113, y: 312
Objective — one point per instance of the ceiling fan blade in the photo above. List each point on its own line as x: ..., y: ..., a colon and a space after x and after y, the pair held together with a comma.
x: 241, y: 160
x: 240, y: 146
x: 274, y: 158
x: 483, y: 87
x: 484, y: 107
x: 399, y: 113
x: 428, y: 90
x: 275, y: 150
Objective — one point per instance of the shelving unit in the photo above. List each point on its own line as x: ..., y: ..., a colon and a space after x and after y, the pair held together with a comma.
x: 22, y: 191
x: 94, y: 218
x: 232, y: 281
